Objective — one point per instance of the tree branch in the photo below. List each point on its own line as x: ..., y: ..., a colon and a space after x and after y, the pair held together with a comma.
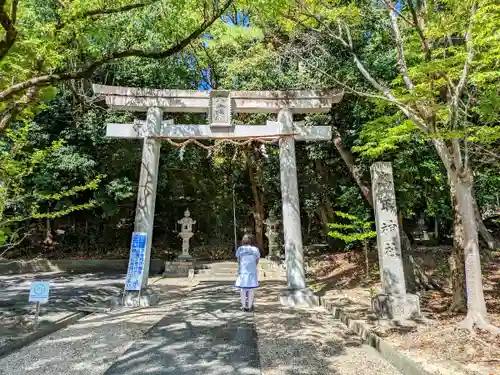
x: 423, y: 40
x: 459, y: 89
x: 125, y: 8
x: 348, y: 44
x: 18, y: 107
x: 355, y: 170
x: 87, y: 71
x: 102, y: 12
x: 8, y: 24
x: 401, y: 64
x: 10, y: 246
x: 13, y: 11
x: 338, y: 82
x: 214, y: 76
x: 206, y: 78
x: 407, y: 110
x: 490, y: 153
x: 402, y: 16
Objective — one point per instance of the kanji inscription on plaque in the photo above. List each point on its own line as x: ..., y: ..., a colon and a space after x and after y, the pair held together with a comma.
x: 220, y: 108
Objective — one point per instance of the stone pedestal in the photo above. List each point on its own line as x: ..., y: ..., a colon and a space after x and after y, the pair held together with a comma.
x: 399, y: 307
x: 178, y: 269
x: 185, y: 257
x: 299, y: 298
x: 146, y: 298
x: 394, y: 302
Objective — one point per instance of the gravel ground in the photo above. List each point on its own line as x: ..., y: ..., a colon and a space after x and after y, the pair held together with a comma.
x: 90, y: 346
x: 300, y: 342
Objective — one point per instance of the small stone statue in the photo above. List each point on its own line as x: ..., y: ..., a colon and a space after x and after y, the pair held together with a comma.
x: 186, y: 233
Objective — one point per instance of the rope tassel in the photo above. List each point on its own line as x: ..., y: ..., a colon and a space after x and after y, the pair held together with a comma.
x: 270, y: 139
x: 182, y: 150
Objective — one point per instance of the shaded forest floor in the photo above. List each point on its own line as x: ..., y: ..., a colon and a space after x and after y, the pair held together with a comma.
x: 437, y: 345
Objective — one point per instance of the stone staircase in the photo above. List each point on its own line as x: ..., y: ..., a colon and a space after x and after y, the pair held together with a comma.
x: 228, y: 270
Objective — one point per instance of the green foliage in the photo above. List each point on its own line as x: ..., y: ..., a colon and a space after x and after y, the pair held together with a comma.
x: 21, y: 200
x: 59, y: 165
x: 385, y: 133
x: 354, y: 230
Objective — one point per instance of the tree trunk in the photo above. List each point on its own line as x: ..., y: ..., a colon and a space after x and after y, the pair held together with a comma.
x: 476, y: 305
x: 323, y: 216
x: 485, y: 234
x: 356, y: 172
x: 258, y: 211
x: 456, y: 260
x: 49, y: 239
x: 408, y: 266
x: 367, y: 260
x: 259, y: 228
x: 326, y: 208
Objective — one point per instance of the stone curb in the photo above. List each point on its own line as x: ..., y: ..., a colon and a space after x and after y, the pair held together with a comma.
x: 404, y: 364
x: 14, y: 345
x: 16, y: 267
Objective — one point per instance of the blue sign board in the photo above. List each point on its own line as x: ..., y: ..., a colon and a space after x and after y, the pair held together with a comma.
x: 136, y: 261
x: 39, y: 291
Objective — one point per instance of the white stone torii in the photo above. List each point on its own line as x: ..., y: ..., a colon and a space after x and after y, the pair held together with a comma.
x: 220, y: 105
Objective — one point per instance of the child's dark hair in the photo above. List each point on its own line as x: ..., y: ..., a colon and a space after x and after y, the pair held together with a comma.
x: 247, y: 240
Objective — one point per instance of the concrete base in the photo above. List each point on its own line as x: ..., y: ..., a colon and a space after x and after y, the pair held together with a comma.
x: 299, y: 298
x: 147, y: 298
x: 178, y: 269
x: 398, y: 307
x: 184, y: 257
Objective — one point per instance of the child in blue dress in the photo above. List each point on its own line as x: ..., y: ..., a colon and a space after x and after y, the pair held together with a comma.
x: 248, y: 256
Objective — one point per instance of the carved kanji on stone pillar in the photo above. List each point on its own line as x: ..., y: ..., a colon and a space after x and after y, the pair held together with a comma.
x: 394, y: 302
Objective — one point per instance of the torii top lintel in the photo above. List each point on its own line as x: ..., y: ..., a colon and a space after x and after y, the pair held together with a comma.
x: 140, y: 99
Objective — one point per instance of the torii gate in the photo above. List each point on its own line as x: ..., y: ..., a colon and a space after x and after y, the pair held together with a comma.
x: 220, y: 105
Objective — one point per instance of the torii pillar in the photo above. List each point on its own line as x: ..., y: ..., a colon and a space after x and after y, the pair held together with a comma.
x: 220, y: 105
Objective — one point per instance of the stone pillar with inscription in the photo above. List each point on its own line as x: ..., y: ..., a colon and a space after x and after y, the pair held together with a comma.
x: 393, y: 303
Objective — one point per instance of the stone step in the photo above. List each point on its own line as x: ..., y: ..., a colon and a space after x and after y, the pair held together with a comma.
x: 227, y: 274
x: 234, y: 271
x: 223, y: 270
x: 212, y: 272
x: 232, y: 279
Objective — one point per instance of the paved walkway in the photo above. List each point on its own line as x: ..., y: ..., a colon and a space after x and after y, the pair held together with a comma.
x: 206, y: 334
x: 201, y: 331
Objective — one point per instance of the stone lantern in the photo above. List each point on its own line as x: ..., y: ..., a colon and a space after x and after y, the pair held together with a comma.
x: 272, y: 234
x: 186, y: 233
